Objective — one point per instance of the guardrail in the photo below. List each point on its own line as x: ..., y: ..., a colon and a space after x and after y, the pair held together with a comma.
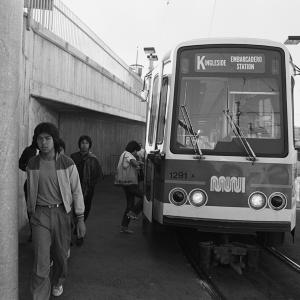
x: 59, y: 19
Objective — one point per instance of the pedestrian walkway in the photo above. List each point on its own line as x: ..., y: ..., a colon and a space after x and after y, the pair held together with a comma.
x: 112, y: 265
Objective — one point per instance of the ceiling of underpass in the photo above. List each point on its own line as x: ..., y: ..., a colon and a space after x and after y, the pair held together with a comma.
x: 60, y: 107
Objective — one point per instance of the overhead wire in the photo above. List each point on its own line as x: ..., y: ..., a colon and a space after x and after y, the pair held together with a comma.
x: 212, y: 18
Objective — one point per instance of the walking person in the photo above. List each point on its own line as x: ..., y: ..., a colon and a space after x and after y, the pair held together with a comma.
x: 141, y: 153
x: 53, y: 187
x: 61, y: 146
x: 89, y: 170
x: 141, y: 157
x: 129, y: 165
x: 27, y: 153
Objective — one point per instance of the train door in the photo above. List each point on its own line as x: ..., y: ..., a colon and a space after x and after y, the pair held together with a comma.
x: 150, y: 144
x: 158, y: 157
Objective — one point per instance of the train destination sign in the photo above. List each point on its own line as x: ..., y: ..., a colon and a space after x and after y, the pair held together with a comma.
x: 230, y: 62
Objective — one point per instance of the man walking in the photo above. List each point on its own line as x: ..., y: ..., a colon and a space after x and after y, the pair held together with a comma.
x: 53, y: 187
x: 89, y: 170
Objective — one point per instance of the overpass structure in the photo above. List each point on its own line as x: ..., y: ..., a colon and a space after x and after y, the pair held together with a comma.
x: 72, y: 78
x: 55, y: 69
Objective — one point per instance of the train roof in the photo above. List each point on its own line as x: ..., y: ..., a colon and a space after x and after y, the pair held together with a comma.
x: 229, y: 41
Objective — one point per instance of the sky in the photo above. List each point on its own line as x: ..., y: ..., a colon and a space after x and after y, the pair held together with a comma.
x: 127, y: 26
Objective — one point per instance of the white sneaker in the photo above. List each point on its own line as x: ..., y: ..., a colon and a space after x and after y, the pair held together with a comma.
x: 57, y: 290
x: 125, y: 230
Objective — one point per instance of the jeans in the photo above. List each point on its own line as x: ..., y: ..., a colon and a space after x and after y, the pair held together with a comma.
x: 88, y: 202
x: 132, y: 191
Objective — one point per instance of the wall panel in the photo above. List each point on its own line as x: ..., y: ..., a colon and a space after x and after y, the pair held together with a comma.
x: 110, y: 135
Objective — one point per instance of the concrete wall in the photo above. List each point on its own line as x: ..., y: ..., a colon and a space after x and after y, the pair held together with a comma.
x: 61, y: 73
x: 109, y: 134
x: 65, y: 87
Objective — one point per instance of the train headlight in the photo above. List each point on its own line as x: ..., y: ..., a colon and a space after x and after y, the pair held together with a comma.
x: 178, y: 196
x: 257, y: 200
x: 277, y: 201
x: 198, y: 197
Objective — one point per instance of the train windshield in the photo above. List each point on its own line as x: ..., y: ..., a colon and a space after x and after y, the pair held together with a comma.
x: 223, y: 90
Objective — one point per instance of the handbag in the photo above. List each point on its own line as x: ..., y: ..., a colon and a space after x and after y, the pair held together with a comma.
x: 125, y: 175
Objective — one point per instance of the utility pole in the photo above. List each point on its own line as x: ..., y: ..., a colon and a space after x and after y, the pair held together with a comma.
x: 11, y: 23
x: 151, y: 56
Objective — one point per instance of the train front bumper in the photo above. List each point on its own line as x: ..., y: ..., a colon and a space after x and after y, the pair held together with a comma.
x: 229, y: 219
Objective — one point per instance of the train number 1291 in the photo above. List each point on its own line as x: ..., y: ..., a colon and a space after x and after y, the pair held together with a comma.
x: 178, y: 175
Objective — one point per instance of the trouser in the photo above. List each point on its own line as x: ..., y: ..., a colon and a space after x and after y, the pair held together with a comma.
x: 26, y: 197
x: 132, y: 191
x: 88, y: 202
x: 51, y: 232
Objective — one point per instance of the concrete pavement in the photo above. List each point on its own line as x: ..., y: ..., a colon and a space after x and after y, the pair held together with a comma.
x: 113, y: 265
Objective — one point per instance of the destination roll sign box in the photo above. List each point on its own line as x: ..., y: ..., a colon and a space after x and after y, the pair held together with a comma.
x: 226, y: 62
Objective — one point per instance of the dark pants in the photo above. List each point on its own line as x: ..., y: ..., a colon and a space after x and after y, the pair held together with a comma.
x: 88, y: 202
x: 26, y: 197
x: 132, y: 191
x: 51, y: 232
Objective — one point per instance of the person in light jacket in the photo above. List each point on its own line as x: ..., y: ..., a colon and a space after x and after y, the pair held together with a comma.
x: 53, y: 188
x: 128, y: 160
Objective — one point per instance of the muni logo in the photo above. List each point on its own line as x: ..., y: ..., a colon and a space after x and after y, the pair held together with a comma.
x: 227, y: 184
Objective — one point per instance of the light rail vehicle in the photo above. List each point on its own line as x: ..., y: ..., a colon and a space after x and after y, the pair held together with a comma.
x: 220, y: 149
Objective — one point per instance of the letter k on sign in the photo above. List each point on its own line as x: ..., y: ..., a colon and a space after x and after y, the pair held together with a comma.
x: 200, y: 62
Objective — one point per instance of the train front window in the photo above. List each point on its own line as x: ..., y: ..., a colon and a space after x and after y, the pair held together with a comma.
x: 225, y: 95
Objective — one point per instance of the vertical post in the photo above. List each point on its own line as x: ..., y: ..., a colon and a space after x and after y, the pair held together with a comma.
x: 11, y: 23
x: 150, y: 63
x: 137, y: 55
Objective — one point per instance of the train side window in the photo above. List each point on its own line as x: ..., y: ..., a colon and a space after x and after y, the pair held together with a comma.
x: 162, y: 111
x: 153, y: 110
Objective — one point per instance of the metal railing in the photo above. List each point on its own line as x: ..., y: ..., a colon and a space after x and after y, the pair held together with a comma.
x: 60, y: 20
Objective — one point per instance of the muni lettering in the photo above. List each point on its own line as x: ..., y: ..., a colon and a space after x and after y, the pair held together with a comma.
x: 227, y: 184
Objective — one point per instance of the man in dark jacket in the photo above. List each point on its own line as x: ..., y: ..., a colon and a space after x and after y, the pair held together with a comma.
x: 89, y: 170
x: 27, y: 153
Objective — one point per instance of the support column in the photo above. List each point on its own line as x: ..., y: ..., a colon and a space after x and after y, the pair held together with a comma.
x: 11, y: 22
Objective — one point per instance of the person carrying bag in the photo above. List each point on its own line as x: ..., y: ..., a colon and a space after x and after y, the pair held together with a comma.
x: 126, y: 173
x: 127, y: 177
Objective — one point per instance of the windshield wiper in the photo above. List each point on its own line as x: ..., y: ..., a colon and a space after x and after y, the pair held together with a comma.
x: 239, y: 133
x: 188, y: 127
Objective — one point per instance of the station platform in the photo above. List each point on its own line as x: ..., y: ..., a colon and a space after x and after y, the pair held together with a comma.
x: 113, y: 265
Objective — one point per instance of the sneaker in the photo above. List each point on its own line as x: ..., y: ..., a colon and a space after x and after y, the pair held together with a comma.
x: 131, y: 215
x: 126, y: 230
x: 57, y: 290
x: 29, y: 238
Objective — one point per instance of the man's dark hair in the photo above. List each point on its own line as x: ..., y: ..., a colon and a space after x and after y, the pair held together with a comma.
x: 49, y: 128
x: 87, y: 138
x: 62, y: 144
x: 132, y: 146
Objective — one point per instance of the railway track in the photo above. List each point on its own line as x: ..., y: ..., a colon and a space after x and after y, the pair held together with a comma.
x: 288, y: 261
x: 259, y: 283
x: 205, y: 280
